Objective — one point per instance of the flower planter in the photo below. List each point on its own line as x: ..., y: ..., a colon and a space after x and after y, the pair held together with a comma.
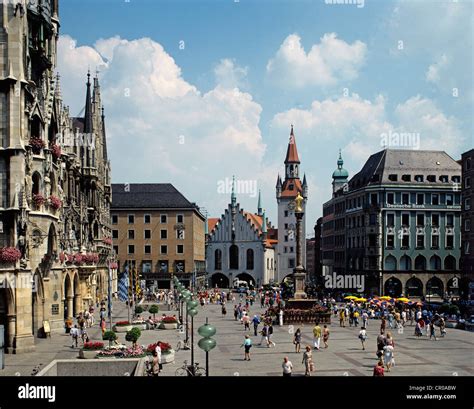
x: 164, y: 325
x: 88, y: 353
x: 123, y: 328
x: 141, y: 326
x: 167, y: 358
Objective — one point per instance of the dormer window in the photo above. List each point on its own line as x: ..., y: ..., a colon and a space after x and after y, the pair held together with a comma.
x: 443, y: 178
x: 291, y: 186
x: 393, y: 177
x: 406, y: 178
x: 431, y: 178
x: 418, y: 178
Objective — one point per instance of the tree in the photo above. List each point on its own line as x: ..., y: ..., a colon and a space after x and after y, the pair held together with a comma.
x: 138, y: 309
x: 109, y: 336
x: 153, y: 310
x: 133, y: 335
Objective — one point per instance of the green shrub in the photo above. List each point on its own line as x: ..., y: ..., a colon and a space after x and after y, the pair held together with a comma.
x: 133, y: 335
x: 153, y: 310
x: 110, y: 336
x: 138, y: 309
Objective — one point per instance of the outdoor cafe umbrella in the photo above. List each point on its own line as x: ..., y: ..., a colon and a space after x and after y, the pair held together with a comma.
x: 361, y: 299
x: 403, y: 299
x: 350, y: 297
x: 386, y: 298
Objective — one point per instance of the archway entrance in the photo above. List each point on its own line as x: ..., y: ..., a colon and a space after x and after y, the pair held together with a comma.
x: 247, y: 278
x: 453, y: 287
x: 37, y: 302
x: 68, y: 298
x: 393, y: 287
x: 219, y: 280
x: 434, y: 288
x: 6, y: 308
x: 414, y: 287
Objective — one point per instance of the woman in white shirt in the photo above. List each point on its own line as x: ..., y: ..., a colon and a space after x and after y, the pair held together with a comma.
x: 363, y: 337
x: 287, y: 367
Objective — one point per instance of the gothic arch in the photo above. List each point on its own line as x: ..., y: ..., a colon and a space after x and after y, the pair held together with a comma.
x: 434, y: 287
x: 218, y: 259
x: 414, y: 287
x: 390, y: 263
x: 405, y: 263
x: 420, y: 262
x: 250, y: 259
x: 219, y: 280
x: 234, y: 257
x: 450, y: 263
x: 393, y: 287
x: 435, y: 263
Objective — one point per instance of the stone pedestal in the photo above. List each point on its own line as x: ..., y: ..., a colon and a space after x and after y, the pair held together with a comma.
x: 299, y: 277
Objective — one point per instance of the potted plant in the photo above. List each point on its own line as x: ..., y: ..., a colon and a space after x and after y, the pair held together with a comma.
x: 168, y: 322
x: 90, y: 349
x: 9, y: 255
x: 38, y: 200
x: 55, y: 202
x: 110, y: 336
x: 37, y: 145
x: 138, y: 310
x: 122, y: 326
x: 167, y: 353
x: 153, y: 310
x: 133, y: 335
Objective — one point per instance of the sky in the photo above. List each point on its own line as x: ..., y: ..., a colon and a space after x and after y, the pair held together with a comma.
x: 197, y: 91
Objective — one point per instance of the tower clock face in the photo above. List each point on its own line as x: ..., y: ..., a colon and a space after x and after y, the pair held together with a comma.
x: 291, y: 205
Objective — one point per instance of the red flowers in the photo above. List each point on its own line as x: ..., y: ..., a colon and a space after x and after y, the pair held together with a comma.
x: 122, y: 323
x: 9, y: 255
x: 55, y: 202
x: 165, y: 347
x: 114, y: 265
x: 93, y: 346
x: 107, y: 241
x: 169, y: 320
x: 91, y: 258
x: 37, y: 144
x: 38, y: 199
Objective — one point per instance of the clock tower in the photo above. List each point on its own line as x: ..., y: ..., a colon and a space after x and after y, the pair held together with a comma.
x: 286, y: 193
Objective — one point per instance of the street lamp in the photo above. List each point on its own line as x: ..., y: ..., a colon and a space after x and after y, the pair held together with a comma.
x: 192, y: 304
x: 207, y: 343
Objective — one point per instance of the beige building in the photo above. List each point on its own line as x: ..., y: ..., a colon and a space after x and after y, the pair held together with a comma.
x: 54, y: 184
x: 159, y: 232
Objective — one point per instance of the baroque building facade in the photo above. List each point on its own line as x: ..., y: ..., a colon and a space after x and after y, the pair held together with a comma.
x: 55, y: 195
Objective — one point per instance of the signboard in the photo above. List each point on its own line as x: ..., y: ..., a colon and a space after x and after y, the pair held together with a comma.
x: 55, y: 309
x: 46, y: 328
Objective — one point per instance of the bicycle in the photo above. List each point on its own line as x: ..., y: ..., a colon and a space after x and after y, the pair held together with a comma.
x: 188, y: 370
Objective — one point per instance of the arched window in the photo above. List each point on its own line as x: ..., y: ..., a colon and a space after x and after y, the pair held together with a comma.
x: 234, y: 257
x: 218, y: 260
x: 36, y: 183
x: 405, y: 263
x: 420, y: 263
x: 390, y: 263
x: 435, y: 263
x: 250, y: 259
x: 449, y: 263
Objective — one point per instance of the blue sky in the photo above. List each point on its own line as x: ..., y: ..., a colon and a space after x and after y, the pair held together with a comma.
x: 222, y: 102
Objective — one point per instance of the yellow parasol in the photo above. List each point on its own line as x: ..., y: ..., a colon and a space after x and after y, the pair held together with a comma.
x: 362, y: 299
x: 403, y: 299
x: 350, y: 297
x: 385, y: 297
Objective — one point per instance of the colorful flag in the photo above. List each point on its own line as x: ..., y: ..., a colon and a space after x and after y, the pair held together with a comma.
x: 123, y: 285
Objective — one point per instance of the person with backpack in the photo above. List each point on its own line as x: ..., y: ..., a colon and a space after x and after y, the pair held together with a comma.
x: 264, y: 333
x: 363, y: 337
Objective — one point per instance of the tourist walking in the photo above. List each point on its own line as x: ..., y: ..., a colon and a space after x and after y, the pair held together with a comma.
x: 325, y: 336
x: 264, y: 333
x: 388, y: 352
x: 74, y: 332
x: 247, y: 345
x: 297, y: 341
x: 255, y: 322
x: 363, y: 337
x: 432, y: 330
x: 316, y: 336
x: 308, y: 361
x: 246, y: 322
x: 365, y: 319
x: 223, y: 309
x: 383, y: 324
x: 236, y: 313
x: 287, y: 367
x: 341, y: 318
x: 280, y: 317
x: 381, y: 342
x: 270, y: 333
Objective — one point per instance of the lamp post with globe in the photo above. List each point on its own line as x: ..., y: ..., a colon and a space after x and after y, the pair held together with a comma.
x: 207, y: 343
x: 192, y: 311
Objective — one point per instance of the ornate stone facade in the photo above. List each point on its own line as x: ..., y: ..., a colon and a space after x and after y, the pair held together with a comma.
x: 55, y: 195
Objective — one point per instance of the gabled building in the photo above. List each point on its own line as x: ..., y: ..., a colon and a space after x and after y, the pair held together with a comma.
x: 286, y: 192
x: 240, y: 246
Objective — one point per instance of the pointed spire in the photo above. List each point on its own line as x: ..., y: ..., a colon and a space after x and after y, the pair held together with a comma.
x: 233, y: 198
x: 278, y: 183
x: 104, y: 140
x: 88, y: 108
x: 292, y: 152
x: 206, y: 227
x: 304, y: 180
x: 264, y: 223
x: 340, y: 162
x: 259, y: 206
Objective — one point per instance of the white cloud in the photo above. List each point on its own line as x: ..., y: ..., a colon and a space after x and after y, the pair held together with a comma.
x: 230, y: 75
x: 327, y: 63
x: 162, y: 128
x: 434, y: 70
